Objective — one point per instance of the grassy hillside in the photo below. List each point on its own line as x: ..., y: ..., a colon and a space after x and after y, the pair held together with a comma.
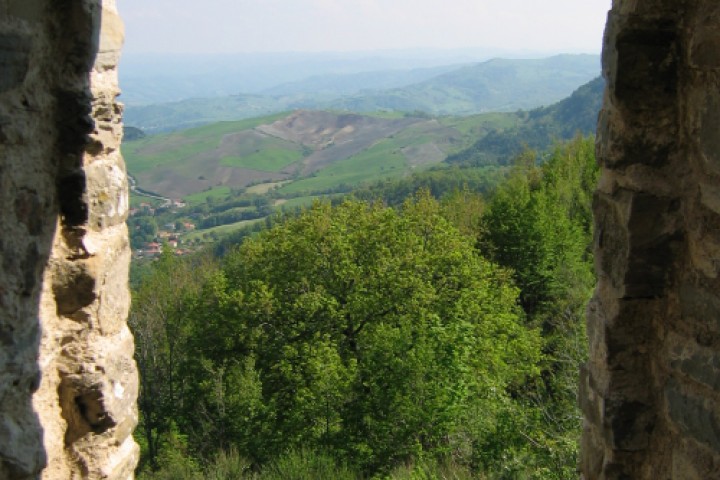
x: 232, y: 174
x: 310, y: 151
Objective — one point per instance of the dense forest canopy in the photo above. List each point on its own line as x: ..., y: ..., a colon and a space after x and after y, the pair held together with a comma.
x: 437, y: 337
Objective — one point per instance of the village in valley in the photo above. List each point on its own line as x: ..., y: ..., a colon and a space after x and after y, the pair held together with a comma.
x: 149, y: 238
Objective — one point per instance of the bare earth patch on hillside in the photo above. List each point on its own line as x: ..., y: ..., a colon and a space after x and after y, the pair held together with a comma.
x: 425, y: 154
x: 250, y: 141
x: 334, y: 137
x: 170, y: 183
x: 263, y: 188
x: 274, y: 152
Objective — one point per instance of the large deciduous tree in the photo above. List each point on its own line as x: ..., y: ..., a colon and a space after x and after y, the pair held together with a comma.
x: 359, y: 329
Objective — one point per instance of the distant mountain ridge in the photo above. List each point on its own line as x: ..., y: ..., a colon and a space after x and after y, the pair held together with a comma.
x: 494, y: 85
x: 352, y: 83
x: 539, y: 128
x: 148, y: 79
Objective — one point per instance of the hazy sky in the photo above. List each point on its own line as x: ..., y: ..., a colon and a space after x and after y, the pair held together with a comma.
x: 204, y: 26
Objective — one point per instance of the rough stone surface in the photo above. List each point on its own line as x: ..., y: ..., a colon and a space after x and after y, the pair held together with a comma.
x: 650, y: 392
x: 68, y: 382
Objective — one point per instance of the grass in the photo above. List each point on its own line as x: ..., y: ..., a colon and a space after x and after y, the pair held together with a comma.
x: 382, y: 160
x: 179, y: 147
x: 386, y: 114
x: 219, y: 231
x: 222, y: 128
x: 477, y: 124
x: 263, y: 188
x: 299, y: 465
x: 201, y: 197
x: 151, y: 152
x: 192, y: 153
x: 271, y: 159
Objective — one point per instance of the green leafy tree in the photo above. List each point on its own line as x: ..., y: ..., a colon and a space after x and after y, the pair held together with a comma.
x: 356, y: 329
x: 539, y: 225
x: 160, y: 327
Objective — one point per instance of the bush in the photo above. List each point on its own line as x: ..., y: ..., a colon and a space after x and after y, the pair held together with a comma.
x: 305, y: 465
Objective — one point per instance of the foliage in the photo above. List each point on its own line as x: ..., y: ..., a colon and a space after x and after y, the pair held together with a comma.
x: 434, y: 339
x: 438, y: 181
x: 161, y: 331
x: 539, y: 224
x: 538, y: 128
x: 358, y: 329
x: 132, y: 133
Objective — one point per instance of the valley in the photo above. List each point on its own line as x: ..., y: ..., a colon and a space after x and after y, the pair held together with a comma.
x: 225, y: 177
x: 354, y: 287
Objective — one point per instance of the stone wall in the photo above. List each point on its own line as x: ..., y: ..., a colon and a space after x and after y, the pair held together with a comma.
x: 68, y: 382
x: 651, y: 390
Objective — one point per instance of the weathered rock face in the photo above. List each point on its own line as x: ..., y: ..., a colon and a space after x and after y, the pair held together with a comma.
x: 651, y: 390
x: 68, y: 382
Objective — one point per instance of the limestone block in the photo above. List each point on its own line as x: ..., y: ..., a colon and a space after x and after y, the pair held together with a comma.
x: 107, y: 193
x: 629, y: 424
x: 654, y: 239
x: 28, y: 10
x: 591, y: 402
x: 704, y: 241
x: 708, y: 138
x: 15, y: 60
x: 700, y: 306
x: 597, y: 328
x: 592, y: 452
x: 691, y: 461
x: 710, y: 196
x: 98, y: 388
x: 112, y: 37
x: 114, y: 298
x: 700, y: 363
x: 121, y: 463
x: 611, y: 244
x: 74, y: 286
x: 706, y: 47
x: 685, y: 469
x: 646, y: 77
x: 693, y: 415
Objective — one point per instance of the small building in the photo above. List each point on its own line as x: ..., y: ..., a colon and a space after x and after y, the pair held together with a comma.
x: 153, y: 248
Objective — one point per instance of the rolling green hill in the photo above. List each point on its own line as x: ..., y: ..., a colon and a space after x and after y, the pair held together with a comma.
x: 538, y: 128
x: 352, y: 83
x: 307, y: 151
x: 232, y: 174
x: 495, y: 85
